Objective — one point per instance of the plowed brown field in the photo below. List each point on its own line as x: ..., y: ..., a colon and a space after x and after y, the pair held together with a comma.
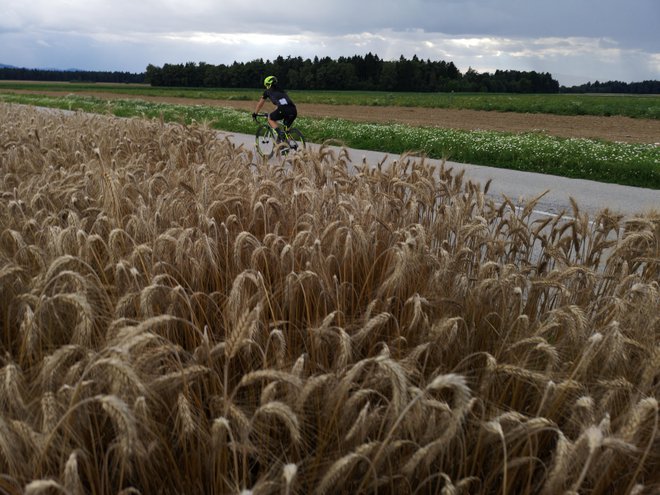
x: 616, y: 128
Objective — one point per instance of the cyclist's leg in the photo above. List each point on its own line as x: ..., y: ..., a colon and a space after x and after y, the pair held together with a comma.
x: 289, y: 115
x: 273, y: 117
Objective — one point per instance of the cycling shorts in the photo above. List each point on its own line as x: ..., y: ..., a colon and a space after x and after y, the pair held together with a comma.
x: 285, y: 113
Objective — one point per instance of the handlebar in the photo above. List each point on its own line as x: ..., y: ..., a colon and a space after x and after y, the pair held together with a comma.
x: 255, y: 115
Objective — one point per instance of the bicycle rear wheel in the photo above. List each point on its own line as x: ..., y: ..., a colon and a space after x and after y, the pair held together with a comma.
x: 296, y: 139
x: 266, y: 141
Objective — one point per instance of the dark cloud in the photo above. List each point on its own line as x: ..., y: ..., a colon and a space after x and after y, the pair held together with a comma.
x: 633, y: 23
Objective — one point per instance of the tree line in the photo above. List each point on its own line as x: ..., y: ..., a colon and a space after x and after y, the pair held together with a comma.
x: 22, y: 74
x: 368, y: 72
x: 644, y: 87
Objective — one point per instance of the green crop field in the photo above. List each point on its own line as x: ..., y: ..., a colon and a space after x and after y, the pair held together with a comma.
x: 637, y: 106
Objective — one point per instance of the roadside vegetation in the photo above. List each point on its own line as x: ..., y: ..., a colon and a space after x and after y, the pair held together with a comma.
x: 636, y: 106
x: 622, y: 163
x: 179, y: 316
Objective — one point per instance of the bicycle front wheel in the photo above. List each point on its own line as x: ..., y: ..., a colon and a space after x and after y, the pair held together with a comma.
x: 266, y: 141
x: 296, y: 139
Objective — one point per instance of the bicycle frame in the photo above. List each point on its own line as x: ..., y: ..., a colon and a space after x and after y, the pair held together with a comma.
x: 264, y: 116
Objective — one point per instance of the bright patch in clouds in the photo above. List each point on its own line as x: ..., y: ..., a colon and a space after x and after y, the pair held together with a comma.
x: 654, y: 63
x: 476, y: 44
x: 256, y: 39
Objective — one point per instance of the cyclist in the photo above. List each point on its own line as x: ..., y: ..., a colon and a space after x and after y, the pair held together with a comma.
x: 286, y: 110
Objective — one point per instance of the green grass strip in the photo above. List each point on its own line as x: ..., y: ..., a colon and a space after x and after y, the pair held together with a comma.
x: 603, y: 161
x: 636, y: 106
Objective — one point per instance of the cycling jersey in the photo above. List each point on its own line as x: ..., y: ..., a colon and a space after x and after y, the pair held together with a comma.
x: 278, y: 97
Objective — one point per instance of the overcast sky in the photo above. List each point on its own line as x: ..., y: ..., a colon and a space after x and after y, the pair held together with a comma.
x: 575, y: 40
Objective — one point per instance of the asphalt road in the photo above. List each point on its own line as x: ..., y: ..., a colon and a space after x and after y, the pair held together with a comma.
x: 590, y: 196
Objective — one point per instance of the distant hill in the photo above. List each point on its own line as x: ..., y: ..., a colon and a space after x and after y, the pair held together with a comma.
x: 54, y: 69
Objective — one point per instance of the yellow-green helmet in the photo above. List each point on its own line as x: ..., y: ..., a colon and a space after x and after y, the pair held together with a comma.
x: 269, y: 81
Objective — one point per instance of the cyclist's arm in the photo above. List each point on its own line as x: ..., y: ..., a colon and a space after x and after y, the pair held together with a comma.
x: 260, y: 104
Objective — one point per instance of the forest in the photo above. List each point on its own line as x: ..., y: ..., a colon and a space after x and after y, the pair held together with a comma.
x: 358, y: 72
x: 368, y: 73
x: 644, y: 87
x: 25, y: 74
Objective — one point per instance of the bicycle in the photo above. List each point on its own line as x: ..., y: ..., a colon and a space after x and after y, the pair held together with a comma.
x: 268, y: 142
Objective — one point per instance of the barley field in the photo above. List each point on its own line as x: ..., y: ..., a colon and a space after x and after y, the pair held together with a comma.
x: 179, y: 316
